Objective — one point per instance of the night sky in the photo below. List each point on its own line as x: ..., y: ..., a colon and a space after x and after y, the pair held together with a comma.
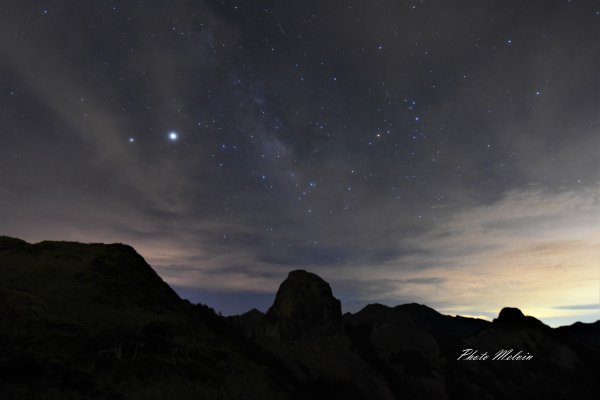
x: 440, y: 152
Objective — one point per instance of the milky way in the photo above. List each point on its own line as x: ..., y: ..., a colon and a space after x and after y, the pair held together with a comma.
x: 439, y: 152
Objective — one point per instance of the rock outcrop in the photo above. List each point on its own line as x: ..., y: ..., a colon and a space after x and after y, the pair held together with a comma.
x: 511, y: 317
x: 304, y: 307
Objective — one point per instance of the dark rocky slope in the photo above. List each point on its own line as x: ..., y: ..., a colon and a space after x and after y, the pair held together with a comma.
x: 410, y: 351
x: 587, y: 333
x: 96, y: 322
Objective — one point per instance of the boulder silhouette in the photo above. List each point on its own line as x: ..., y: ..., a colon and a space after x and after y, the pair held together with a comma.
x: 304, y: 307
x: 511, y: 317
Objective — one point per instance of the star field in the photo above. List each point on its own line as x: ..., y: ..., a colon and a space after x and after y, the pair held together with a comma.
x: 404, y: 150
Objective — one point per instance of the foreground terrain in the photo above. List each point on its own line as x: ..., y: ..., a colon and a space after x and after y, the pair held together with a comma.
x: 94, y: 321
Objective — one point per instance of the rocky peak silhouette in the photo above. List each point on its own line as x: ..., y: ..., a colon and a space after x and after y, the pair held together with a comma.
x: 304, y: 306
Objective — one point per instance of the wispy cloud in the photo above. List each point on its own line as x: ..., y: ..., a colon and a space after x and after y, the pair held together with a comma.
x: 580, y: 307
x: 531, y: 249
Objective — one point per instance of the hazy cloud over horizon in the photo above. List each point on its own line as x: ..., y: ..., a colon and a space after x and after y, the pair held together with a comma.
x: 428, y: 152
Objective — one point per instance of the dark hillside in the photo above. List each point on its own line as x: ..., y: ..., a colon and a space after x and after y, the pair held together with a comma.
x: 95, y: 321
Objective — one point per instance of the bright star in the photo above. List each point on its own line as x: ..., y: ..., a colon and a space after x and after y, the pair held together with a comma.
x: 173, y: 136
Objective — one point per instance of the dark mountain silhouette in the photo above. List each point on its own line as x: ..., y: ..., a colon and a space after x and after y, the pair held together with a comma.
x: 560, y: 368
x: 304, y: 306
x: 588, y: 333
x: 94, y: 321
